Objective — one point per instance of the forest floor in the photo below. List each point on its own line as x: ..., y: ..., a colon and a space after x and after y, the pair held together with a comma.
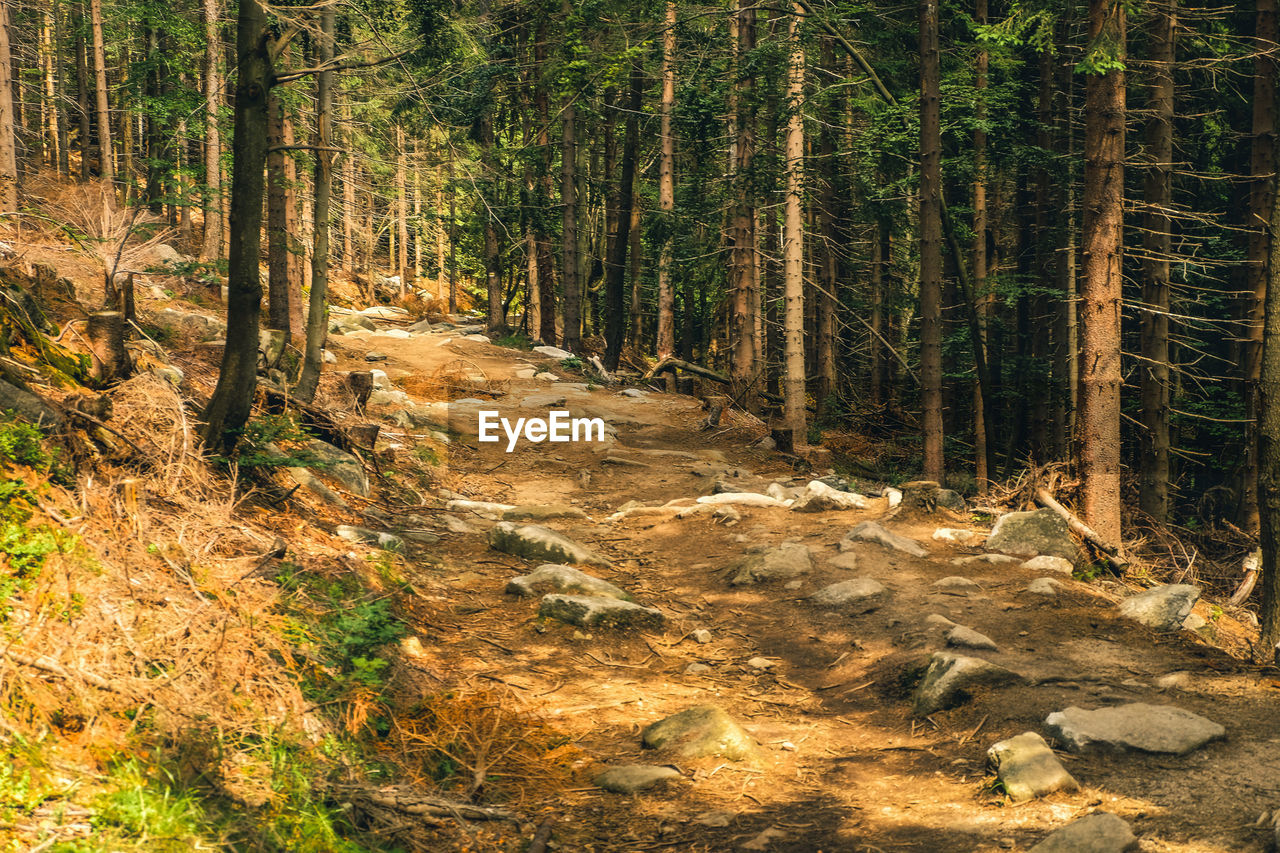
x: 844, y: 765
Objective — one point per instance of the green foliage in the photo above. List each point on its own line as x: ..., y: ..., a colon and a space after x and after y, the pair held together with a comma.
x: 23, y: 443
x: 261, y: 440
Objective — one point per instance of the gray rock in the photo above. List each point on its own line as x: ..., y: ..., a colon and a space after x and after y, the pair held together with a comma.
x: 700, y: 732
x: 589, y: 611
x: 1030, y: 534
x: 365, y: 536
x: 1164, y: 608
x: 419, y: 328
x: 484, y: 509
x: 951, y: 499
x: 951, y: 679
x: 937, y: 620
x: 375, y: 356
x: 553, y: 577
x: 701, y: 636
x: 986, y: 559
x: 631, y: 778
x: 955, y: 585
x: 788, y: 561
x: 341, y: 466
x: 869, y: 531
x: 696, y: 669
x: 28, y: 406
x: 1044, y: 586
x: 844, y: 560
x: 858, y: 594
x: 541, y: 512
x: 553, y: 352
x: 383, y: 312
x: 1097, y: 833
x: 534, y: 542
x: 304, y: 478
x: 959, y: 536
x: 542, y: 401
x: 967, y: 638
x: 820, y: 497
x: 1045, y: 563
x: 1028, y: 768
x: 1137, y: 726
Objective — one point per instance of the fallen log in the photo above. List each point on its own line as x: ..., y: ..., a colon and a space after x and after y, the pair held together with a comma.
x: 1112, y: 552
x: 1252, y: 561
x: 392, y: 804
x: 671, y: 363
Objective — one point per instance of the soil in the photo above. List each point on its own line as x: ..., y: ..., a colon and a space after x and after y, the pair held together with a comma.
x: 845, y: 766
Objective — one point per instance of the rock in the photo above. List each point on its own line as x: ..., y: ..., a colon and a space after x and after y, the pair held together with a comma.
x: 420, y: 328
x: 742, y: 499
x: 484, y: 509
x: 631, y: 778
x: 844, y: 560
x: 396, y: 333
x: 169, y: 373
x: 761, y: 663
x: 1179, y: 679
x: 166, y: 255
x: 1028, y: 768
x: 1030, y: 534
x: 955, y: 585
x: 989, y: 559
x: 453, y: 524
x: 950, y: 499
x: 477, y: 338
x: 728, y: 515
x: 328, y: 357
x: 937, y: 620
x: 534, y: 542
x: 894, y: 495
x: 28, y: 406
x: 384, y: 312
x: 190, y: 323
x: 967, y: 638
x: 1164, y: 608
x: 340, y: 465
x: 554, y: 577
x: 717, y: 819
x: 365, y: 536
x: 869, y: 531
x: 588, y: 611
x: 546, y: 377
x: 553, y: 352
x: 859, y: 594
x: 375, y: 356
x: 701, y: 732
x: 957, y: 535
x: 1137, y: 726
x: 1098, y: 833
x: 1044, y: 586
x: 785, y: 562
x: 541, y: 512
x: 542, y: 401
x: 1045, y: 563
x: 696, y: 669
x: 701, y: 636
x: 820, y: 497
x: 633, y: 392
x: 951, y: 679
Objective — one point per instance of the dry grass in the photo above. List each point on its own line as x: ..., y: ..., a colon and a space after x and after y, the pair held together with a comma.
x: 454, y: 380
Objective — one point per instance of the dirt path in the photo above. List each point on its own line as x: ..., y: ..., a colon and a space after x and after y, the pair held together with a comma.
x: 845, y: 766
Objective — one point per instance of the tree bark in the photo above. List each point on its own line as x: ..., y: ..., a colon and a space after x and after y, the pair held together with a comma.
x: 1099, y: 451
x: 930, y: 243
x: 666, y: 334
x: 106, y: 163
x: 83, y: 108
x: 402, y: 214
x: 793, y: 386
x: 232, y: 399
x: 616, y: 269
x: 211, y: 246
x: 1268, y: 649
x: 278, y: 242
x: 981, y: 461
x: 744, y: 278
x: 571, y: 296
x: 8, y: 139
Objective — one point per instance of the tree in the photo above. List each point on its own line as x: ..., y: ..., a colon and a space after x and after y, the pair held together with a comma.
x: 211, y: 247
x: 742, y: 225
x: 615, y: 270
x: 666, y: 326
x: 106, y: 163
x: 931, y: 242
x: 793, y: 242
x: 8, y: 141
x: 1267, y: 650
x: 1100, y: 293
x: 571, y: 296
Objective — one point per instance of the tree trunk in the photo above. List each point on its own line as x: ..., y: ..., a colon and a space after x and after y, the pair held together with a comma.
x: 879, y: 259
x: 492, y: 257
x: 1154, y: 369
x: 284, y: 299
x: 1268, y: 649
x: 1099, y: 452
x: 635, y: 234
x: 8, y: 139
x: 793, y: 392
x: 930, y: 243
x: 572, y: 296
x: 211, y: 247
x: 453, y: 244
x: 317, y: 309
x: 830, y: 216
x: 981, y: 462
x: 744, y: 281
x: 104, y: 332
x: 232, y: 399
x: 1262, y: 167
x: 106, y: 165
x: 402, y: 214
x: 666, y: 334
x: 441, y: 282
x: 616, y: 268
x: 82, y: 92
x: 348, y: 201
x: 1065, y: 358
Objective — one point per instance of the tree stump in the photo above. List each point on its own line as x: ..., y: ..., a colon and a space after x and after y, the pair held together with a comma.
x: 715, y: 405
x: 360, y: 383
x: 364, y: 435
x: 920, y: 496
x: 784, y: 438
x: 105, y: 334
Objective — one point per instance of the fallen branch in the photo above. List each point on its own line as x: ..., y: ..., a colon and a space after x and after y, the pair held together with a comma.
x: 52, y: 667
x: 404, y: 801
x: 1084, y: 531
x: 1251, y: 563
x: 671, y: 363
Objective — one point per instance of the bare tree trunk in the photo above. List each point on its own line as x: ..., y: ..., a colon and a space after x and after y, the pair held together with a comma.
x: 744, y: 279
x: 453, y: 244
x: 1099, y: 453
x: 1065, y: 361
x: 1268, y: 649
x: 212, y: 245
x: 666, y: 341
x: 317, y: 309
x: 402, y: 214
x: 417, y: 216
x: 492, y: 258
x: 8, y: 139
x: 793, y: 391
x: 348, y: 203
x: 636, y: 236
x: 830, y: 216
x: 930, y: 243
x: 571, y: 296
x: 1154, y: 369
x: 981, y: 462
x: 57, y: 154
x: 879, y: 244
x: 82, y: 92
x: 441, y: 276
x: 232, y: 399
x: 616, y: 268
x: 278, y: 243
x: 106, y: 165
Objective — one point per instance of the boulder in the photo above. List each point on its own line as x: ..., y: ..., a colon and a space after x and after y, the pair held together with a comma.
x: 590, y: 611
x: 858, y: 594
x: 554, y: 577
x: 1027, y: 768
x: 951, y: 499
x: 340, y: 465
x: 1164, y: 607
x: 534, y: 542
x: 28, y: 406
x: 820, y: 497
x: 631, y: 778
x: 1030, y: 534
x: 484, y: 509
x: 967, y: 638
x: 869, y: 531
x: 1097, y: 833
x: 1045, y: 563
x: 951, y: 679
x: 383, y: 312
x: 702, y: 732
x: 1048, y: 587
x: 1135, y: 727
x: 783, y: 563
x: 955, y: 585
x: 553, y: 352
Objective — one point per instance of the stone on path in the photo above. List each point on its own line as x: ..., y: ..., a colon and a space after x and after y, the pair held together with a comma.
x: 375, y: 356
x: 589, y: 611
x: 553, y: 352
x: 988, y: 559
x: 951, y: 679
x: 937, y: 620
x: 701, y: 636
x: 631, y: 778
x: 960, y: 536
x: 534, y: 542
x: 554, y: 577
x: 484, y: 509
x: 365, y: 536
x: 541, y: 512
x: 783, y: 563
x: 1045, y: 563
x: 1028, y: 768
x: 860, y: 594
x: 1097, y: 833
x: 1030, y: 534
x: 967, y: 638
x: 701, y: 732
x: 844, y: 560
x: 1134, y: 727
x: 869, y: 531
x: 955, y: 585
x: 742, y: 499
x: 820, y: 497
x: 1047, y: 587
x: 1164, y: 608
